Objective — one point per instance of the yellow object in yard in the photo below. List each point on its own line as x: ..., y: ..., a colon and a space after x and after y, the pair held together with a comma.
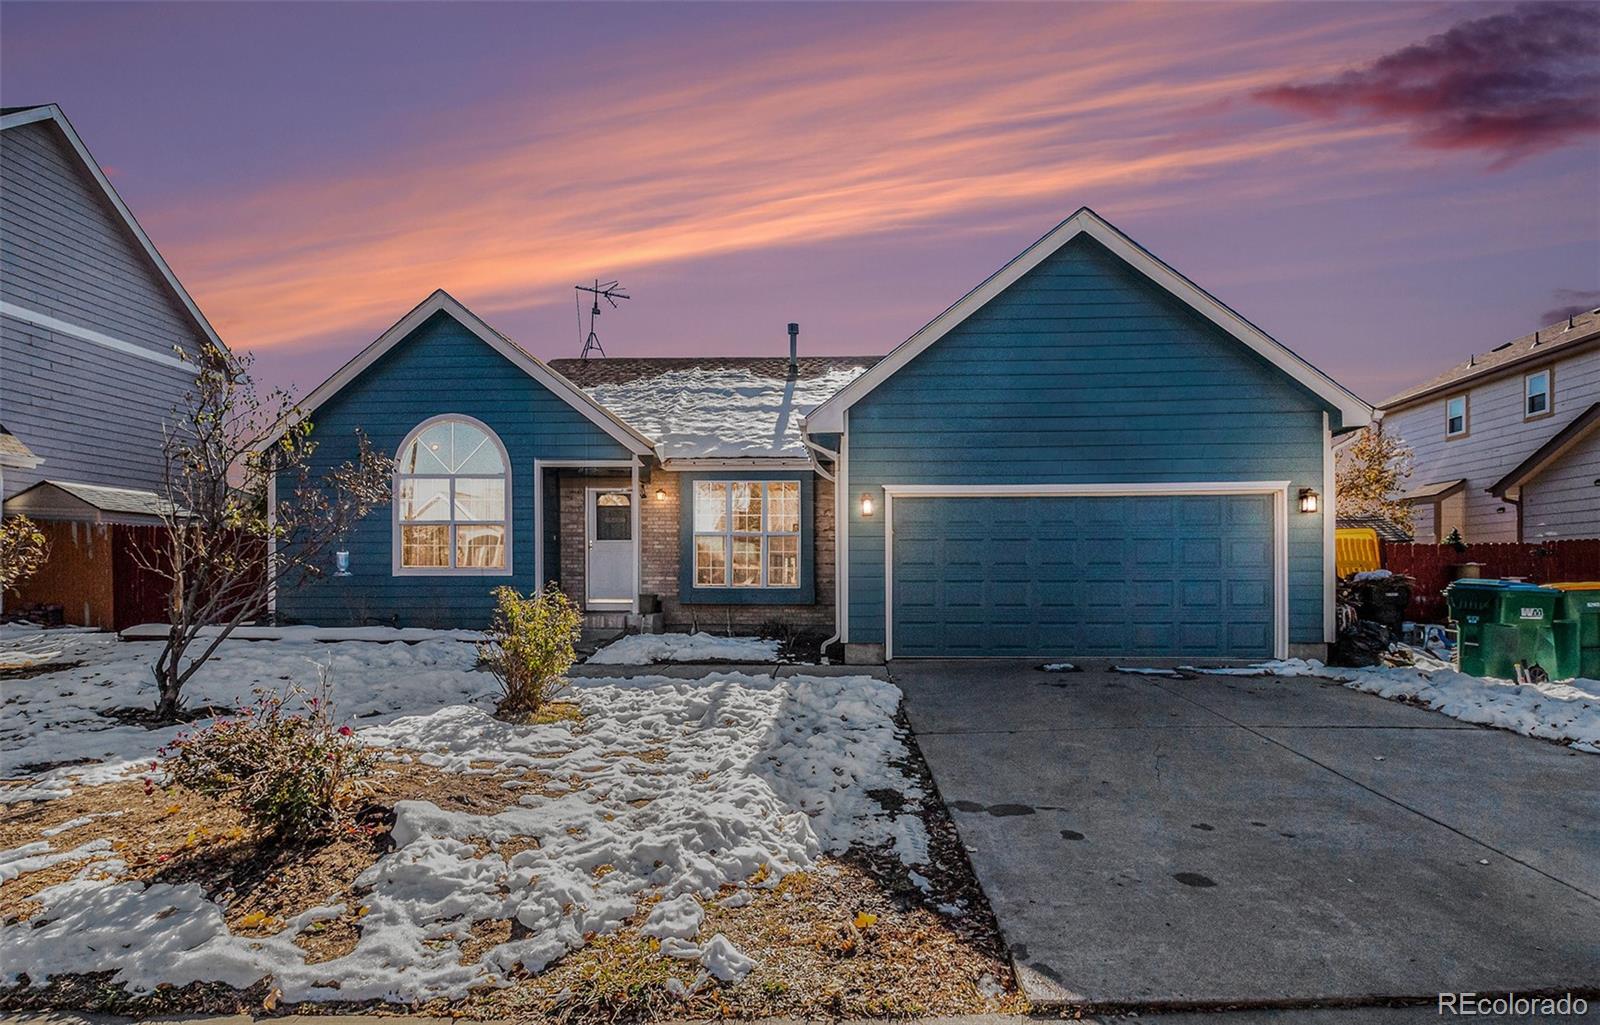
x: 1355, y: 550
x: 1577, y: 585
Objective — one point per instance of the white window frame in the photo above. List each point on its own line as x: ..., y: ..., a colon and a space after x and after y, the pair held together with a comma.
x: 397, y: 538
x: 728, y: 534
x: 1466, y: 412
x: 1548, y: 373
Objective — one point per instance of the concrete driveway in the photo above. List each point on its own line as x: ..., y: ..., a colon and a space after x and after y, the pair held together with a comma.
x: 1158, y: 842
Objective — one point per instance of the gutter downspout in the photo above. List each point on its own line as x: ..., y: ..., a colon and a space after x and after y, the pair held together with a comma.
x: 817, y: 451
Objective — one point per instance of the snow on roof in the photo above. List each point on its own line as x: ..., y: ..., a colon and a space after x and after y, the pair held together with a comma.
x: 717, y: 408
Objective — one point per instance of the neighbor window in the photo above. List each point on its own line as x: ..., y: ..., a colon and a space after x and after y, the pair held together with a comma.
x: 747, y: 533
x: 1455, y: 416
x: 452, y: 510
x: 1536, y: 394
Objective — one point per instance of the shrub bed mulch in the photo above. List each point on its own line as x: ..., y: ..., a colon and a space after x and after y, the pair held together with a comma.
x: 852, y: 937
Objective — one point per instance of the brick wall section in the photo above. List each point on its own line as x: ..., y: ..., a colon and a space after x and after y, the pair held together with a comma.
x: 659, y: 545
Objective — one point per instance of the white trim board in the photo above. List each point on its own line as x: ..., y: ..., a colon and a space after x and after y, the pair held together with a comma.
x: 539, y: 466
x: 1277, y: 489
x: 442, y: 301
x: 830, y: 416
x: 51, y: 112
x: 89, y: 334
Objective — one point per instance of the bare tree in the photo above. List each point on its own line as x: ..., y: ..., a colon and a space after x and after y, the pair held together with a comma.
x: 224, y: 551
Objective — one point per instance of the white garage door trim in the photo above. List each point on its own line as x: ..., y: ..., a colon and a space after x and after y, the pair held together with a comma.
x: 1278, y: 489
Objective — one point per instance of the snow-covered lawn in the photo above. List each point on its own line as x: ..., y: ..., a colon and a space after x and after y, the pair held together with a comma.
x: 703, y: 795
x: 645, y: 649
x: 1567, y: 712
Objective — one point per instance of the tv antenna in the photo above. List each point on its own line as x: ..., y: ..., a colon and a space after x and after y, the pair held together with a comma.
x: 611, y: 292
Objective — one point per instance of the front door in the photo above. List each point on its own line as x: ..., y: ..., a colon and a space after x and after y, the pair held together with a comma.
x: 608, y: 575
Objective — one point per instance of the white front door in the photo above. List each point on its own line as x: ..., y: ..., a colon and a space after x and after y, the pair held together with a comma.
x: 608, y: 573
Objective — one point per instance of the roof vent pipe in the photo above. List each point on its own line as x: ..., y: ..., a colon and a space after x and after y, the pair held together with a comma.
x: 794, y: 347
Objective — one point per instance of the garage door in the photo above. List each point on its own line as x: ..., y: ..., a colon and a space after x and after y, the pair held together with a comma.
x: 1184, y: 575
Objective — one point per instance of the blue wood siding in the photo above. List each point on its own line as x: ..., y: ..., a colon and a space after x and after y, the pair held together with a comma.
x: 440, y: 368
x: 1076, y: 576
x: 805, y: 594
x: 1084, y: 371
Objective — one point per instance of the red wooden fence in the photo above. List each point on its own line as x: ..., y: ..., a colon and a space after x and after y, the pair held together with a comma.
x: 1433, y: 567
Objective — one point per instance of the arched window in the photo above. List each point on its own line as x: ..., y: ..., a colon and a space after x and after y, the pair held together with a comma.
x: 452, y: 500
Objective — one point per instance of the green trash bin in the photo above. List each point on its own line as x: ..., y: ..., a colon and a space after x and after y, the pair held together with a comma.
x: 1580, y: 605
x: 1523, y: 631
x: 1473, y: 605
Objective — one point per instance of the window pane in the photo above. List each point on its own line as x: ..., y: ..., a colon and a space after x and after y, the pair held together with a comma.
x: 480, y: 547
x: 710, y: 505
x: 783, y: 562
x: 746, y: 509
x: 746, y: 562
x: 425, y: 498
x: 480, y: 499
x: 783, y: 506
x: 475, y: 452
x: 1538, y: 392
x: 425, y: 546
x: 710, y: 561
x: 613, y: 517
x: 429, y: 452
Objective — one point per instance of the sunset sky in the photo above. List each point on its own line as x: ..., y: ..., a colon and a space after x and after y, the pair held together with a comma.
x: 1383, y: 187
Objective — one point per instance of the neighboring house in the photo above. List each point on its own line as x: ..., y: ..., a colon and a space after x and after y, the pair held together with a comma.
x: 1506, y: 445
x: 1085, y: 455
x: 91, y: 320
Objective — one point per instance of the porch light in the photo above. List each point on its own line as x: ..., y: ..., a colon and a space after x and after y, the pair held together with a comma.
x: 661, y: 494
x: 1308, y: 500
x: 866, y: 503
x: 341, y: 562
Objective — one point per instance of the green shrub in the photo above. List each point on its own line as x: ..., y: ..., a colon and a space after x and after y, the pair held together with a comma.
x: 530, y: 647
x: 293, y: 774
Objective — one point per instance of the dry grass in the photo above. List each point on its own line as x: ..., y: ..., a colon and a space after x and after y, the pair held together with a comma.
x: 850, y: 938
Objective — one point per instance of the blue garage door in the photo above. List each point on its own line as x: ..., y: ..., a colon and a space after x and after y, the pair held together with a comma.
x: 1187, y: 575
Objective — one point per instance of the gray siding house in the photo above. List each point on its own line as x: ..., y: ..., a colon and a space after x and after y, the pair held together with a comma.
x: 1506, y: 445
x: 90, y: 316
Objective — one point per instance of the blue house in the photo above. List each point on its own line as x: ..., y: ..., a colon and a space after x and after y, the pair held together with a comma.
x: 1085, y: 455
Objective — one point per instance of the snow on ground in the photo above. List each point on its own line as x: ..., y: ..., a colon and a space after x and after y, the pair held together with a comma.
x: 1553, y: 711
x: 706, y: 412
x: 644, y: 649
x: 326, y: 634
x: 667, y: 788
x: 56, y: 718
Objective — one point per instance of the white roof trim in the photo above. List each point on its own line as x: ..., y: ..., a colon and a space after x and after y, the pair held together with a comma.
x: 737, y: 463
x: 529, y: 364
x: 51, y: 112
x: 829, y: 417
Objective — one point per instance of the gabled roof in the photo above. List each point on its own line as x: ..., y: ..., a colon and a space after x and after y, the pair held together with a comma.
x: 1560, y: 338
x: 443, y: 302
x: 71, y: 500
x: 1581, y: 427
x: 16, y: 117
x: 829, y: 417
x: 701, y: 409
x: 14, y: 453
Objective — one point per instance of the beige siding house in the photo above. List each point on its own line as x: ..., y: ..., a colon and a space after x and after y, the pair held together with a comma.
x: 1506, y: 445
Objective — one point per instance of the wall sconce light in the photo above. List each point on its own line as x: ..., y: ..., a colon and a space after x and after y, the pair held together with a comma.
x: 661, y: 494
x: 866, y: 503
x: 1308, y: 500
x: 341, y: 562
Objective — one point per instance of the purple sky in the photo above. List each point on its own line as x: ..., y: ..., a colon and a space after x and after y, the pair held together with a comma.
x: 1384, y: 188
